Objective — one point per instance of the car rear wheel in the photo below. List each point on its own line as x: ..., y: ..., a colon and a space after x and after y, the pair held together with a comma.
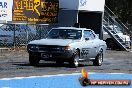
x: 98, y: 59
x: 75, y: 60
x: 33, y: 60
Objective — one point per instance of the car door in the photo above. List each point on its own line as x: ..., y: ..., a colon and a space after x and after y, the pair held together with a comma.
x: 89, y: 45
x: 95, y: 44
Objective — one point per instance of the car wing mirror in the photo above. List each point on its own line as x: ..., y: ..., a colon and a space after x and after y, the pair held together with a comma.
x: 97, y: 36
x: 86, y: 39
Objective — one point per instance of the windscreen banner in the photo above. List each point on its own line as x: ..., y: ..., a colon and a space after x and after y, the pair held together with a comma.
x: 5, y: 10
x: 45, y: 11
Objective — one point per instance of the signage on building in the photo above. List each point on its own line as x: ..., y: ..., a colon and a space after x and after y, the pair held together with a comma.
x: 5, y: 10
x: 92, y: 5
x: 87, y: 5
x: 35, y: 11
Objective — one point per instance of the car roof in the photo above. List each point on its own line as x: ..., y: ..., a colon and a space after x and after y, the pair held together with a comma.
x: 71, y: 28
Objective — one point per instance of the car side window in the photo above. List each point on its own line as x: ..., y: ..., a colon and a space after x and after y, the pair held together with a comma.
x: 88, y: 34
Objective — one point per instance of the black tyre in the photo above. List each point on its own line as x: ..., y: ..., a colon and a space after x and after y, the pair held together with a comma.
x: 75, y: 60
x: 33, y: 60
x: 98, y: 59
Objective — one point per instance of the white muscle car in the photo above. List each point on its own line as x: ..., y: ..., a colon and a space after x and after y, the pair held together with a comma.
x: 68, y: 44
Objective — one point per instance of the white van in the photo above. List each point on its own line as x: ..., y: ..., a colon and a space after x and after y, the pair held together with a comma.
x: 109, y: 40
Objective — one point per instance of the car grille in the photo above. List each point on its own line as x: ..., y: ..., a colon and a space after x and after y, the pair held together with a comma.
x: 50, y: 48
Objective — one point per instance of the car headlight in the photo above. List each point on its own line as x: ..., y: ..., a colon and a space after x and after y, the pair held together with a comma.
x: 33, y: 47
x: 68, y: 47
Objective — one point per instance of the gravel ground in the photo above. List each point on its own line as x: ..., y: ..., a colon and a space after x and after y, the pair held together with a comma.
x: 15, y: 64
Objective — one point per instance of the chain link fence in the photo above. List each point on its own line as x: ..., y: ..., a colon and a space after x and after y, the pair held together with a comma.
x: 17, y: 36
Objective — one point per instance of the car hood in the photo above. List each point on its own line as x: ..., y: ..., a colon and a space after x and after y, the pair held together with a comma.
x: 59, y: 42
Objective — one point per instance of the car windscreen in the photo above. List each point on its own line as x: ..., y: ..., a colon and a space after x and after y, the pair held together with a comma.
x: 65, y: 34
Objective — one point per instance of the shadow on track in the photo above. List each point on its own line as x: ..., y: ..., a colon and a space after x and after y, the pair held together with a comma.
x: 49, y: 64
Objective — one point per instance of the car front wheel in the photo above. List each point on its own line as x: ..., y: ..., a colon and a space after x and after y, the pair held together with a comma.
x: 98, y: 59
x: 75, y: 60
x: 34, y: 59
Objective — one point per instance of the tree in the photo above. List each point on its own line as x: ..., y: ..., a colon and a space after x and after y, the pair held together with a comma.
x: 122, y: 8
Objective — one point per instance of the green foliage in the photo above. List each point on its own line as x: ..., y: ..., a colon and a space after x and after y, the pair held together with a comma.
x: 122, y: 8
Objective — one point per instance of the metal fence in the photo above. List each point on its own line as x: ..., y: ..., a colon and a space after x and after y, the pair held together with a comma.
x: 15, y: 36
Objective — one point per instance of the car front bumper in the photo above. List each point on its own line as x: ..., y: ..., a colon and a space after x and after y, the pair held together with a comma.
x: 53, y: 55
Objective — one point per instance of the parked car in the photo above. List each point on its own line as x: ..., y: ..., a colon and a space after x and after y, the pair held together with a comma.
x: 6, y: 37
x: 7, y: 34
x: 110, y: 42
x: 68, y: 44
